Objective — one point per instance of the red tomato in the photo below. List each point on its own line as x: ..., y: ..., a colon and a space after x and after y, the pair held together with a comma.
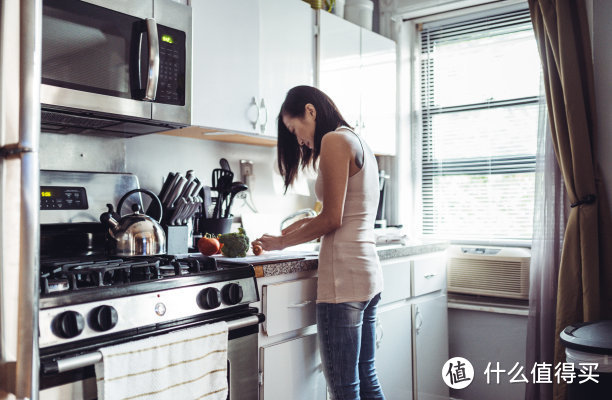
x: 208, y: 246
x: 257, y: 250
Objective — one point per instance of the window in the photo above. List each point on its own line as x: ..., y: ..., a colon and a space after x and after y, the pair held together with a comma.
x: 480, y: 106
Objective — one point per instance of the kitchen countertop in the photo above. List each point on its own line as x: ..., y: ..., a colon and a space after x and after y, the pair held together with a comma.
x: 309, y: 261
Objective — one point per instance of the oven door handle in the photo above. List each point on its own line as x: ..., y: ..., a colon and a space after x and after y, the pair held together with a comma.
x: 88, y: 359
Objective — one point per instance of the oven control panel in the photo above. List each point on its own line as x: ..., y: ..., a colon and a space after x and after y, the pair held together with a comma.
x: 63, y: 198
x: 88, y: 320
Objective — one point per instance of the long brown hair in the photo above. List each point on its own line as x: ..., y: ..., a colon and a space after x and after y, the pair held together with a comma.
x: 290, y: 154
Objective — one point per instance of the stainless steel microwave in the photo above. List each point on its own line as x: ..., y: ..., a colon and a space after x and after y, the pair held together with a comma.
x: 115, y: 67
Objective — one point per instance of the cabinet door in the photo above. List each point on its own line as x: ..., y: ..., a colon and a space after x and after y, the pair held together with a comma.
x: 286, y: 55
x: 394, y: 351
x: 225, y: 64
x: 339, y: 65
x: 292, y: 370
x: 378, y: 93
x: 431, y: 347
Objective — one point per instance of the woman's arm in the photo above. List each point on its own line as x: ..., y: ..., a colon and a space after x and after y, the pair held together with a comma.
x: 335, y: 159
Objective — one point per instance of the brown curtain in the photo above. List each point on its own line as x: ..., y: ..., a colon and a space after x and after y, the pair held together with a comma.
x: 562, y: 35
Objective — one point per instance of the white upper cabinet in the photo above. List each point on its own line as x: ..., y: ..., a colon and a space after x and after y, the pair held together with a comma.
x: 378, y: 91
x: 286, y: 55
x: 246, y: 55
x: 357, y: 69
x: 225, y: 64
x: 339, y: 65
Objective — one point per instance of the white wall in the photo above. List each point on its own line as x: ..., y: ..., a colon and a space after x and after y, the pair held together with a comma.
x: 151, y: 157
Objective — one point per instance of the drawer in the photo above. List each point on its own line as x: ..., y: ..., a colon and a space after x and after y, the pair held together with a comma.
x: 428, y: 274
x: 396, y: 277
x: 289, y: 305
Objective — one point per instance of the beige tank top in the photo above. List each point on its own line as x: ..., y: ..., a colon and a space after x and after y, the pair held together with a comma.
x: 349, y: 268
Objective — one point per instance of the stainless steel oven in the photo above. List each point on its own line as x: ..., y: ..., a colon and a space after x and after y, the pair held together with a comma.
x: 112, y: 67
x: 89, y: 300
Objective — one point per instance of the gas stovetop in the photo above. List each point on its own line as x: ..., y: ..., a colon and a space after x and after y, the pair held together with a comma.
x: 72, y: 274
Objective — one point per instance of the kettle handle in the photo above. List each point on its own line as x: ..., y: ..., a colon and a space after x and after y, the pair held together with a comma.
x: 152, y: 195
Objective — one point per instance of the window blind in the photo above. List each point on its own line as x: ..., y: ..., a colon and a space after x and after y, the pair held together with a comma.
x: 480, y: 88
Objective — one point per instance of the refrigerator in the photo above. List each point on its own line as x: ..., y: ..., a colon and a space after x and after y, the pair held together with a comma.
x: 20, y: 58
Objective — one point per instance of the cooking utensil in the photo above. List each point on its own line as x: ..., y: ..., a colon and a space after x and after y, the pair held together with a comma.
x: 220, y: 175
x: 224, y: 164
x: 206, y: 201
x: 222, y: 183
x: 135, y: 234
x: 237, y: 187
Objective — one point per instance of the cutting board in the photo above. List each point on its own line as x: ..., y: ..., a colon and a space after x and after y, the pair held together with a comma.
x: 268, y: 256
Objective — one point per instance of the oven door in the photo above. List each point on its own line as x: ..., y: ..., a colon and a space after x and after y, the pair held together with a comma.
x: 117, y: 57
x: 73, y: 377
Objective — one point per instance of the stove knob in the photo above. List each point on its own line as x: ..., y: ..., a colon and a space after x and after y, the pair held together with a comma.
x: 103, y: 318
x: 69, y: 324
x: 209, y: 298
x: 232, y: 293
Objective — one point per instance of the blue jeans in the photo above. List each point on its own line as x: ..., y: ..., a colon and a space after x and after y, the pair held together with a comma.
x: 347, y: 342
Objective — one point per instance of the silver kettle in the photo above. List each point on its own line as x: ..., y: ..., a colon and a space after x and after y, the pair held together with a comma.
x: 134, y: 234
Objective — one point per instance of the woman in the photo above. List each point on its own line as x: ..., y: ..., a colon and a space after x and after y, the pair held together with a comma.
x: 311, y: 129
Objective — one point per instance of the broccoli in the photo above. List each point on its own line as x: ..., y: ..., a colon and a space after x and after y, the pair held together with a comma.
x: 235, y: 244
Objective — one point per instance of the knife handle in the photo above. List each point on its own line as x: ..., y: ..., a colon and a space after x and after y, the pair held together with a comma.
x: 176, y: 191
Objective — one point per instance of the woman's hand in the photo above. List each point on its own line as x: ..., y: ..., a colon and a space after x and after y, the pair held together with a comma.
x: 296, y: 225
x: 270, y: 242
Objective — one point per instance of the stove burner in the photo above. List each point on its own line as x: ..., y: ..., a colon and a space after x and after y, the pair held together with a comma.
x: 61, y: 275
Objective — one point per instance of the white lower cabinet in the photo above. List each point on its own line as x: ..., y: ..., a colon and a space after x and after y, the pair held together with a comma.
x: 394, y: 351
x: 412, y: 328
x: 292, y: 370
x: 289, y: 360
x: 430, y: 317
x: 411, y: 333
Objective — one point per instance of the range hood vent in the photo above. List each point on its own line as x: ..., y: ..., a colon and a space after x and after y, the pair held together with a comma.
x: 56, y: 120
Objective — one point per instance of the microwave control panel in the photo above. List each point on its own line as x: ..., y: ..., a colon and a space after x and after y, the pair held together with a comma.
x: 171, y: 84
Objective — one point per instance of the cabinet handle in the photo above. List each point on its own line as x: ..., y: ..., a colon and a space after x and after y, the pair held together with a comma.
x: 418, y: 321
x: 300, y: 305
x: 262, y: 125
x: 429, y: 275
x: 254, y: 104
x: 379, y: 329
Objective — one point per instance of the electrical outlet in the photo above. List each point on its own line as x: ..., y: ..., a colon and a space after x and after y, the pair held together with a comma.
x: 246, y: 170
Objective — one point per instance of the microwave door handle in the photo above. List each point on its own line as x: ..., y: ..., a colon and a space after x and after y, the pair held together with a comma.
x: 153, y: 74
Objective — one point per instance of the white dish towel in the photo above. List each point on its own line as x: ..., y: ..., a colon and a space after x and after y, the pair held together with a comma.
x: 181, y: 365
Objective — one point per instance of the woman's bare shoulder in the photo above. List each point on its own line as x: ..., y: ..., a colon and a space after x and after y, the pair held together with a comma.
x: 337, y: 138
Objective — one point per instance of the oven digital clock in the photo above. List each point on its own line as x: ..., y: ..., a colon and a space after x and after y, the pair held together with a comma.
x: 63, y: 198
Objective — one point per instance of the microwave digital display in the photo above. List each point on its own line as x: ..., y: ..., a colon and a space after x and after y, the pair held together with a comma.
x: 167, y: 39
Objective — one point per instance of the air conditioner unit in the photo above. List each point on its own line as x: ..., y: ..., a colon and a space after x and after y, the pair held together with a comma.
x: 489, y: 271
